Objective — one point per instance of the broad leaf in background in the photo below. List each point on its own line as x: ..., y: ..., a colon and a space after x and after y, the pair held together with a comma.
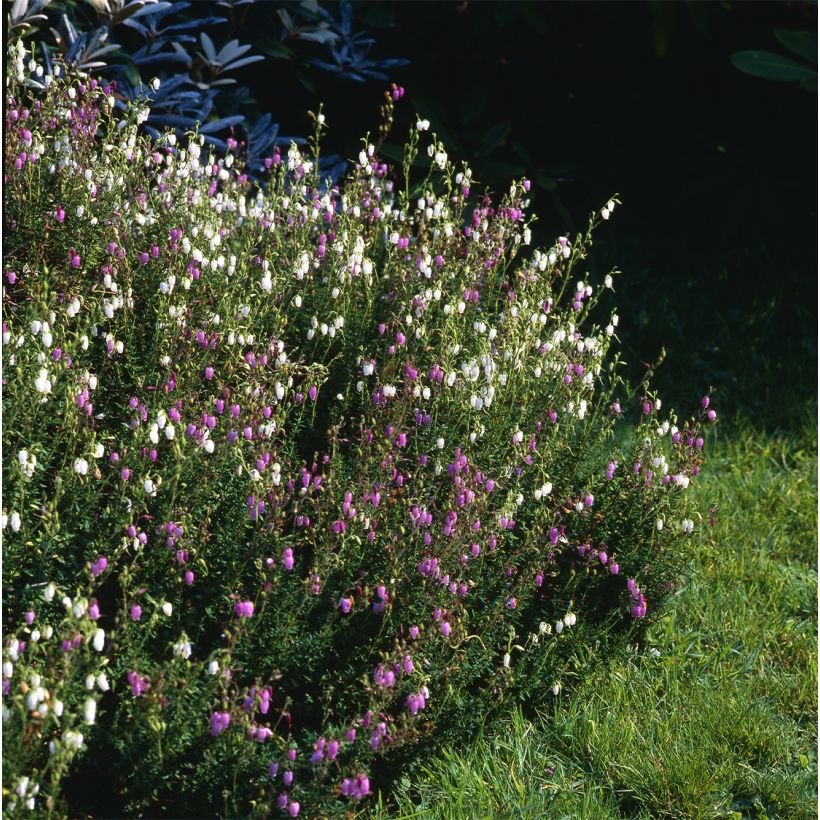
x: 134, y: 42
x: 770, y: 65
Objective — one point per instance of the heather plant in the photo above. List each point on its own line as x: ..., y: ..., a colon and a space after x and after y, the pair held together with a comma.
x: 299, y: 480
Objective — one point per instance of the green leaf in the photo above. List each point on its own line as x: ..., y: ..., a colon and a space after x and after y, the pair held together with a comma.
x: 132, y: 73
x: 523, y: 154
x: 546, y: 181
x: 493, y: 137
x: 392, y: 152
x: 490, y: 169
x: 532, y: 14
x: 771, y: 66
x: 505, y: 14
x: 474, y: 102
x: 802, y: 43
x: 305, y: 82
x: 429, y: 108
x: 395, y: 153
x: 380, y: 15
x: 273, y: 48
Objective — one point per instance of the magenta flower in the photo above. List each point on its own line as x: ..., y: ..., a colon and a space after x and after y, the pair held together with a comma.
x: 136, y: 612
x: 99, y: 566
x: 356, y: 787
x: 139, y: 683
x: 244, y: 609
x: 219, y: 722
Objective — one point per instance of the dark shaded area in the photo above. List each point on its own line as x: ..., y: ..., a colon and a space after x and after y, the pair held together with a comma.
x: 716, y: 169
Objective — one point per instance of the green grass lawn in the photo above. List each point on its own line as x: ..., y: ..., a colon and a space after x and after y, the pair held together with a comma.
x: 717, y: 715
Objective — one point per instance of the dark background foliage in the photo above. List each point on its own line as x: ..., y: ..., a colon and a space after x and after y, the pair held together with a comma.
x: 674, y: 105
x: 716, y: 168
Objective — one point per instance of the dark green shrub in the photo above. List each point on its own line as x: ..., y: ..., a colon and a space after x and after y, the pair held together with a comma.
x: 297, y: 483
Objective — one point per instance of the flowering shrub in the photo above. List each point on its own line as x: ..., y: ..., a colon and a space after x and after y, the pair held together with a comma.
x: 297, y: 483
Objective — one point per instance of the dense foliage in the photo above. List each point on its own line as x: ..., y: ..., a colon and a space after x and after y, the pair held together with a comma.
x: 298, y: 481
x: 195, y: 51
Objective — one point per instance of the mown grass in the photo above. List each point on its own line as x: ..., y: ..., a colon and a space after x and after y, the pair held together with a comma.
x: 716, y: 715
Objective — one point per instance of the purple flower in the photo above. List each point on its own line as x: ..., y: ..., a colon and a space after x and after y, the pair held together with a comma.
x: 219, y: 722
x: 136, y: 612
x: 244, y: 609
x: 139, y: 683
x: 638, y: 607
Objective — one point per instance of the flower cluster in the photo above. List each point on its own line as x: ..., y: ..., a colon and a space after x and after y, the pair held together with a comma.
x: 300, y: 470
